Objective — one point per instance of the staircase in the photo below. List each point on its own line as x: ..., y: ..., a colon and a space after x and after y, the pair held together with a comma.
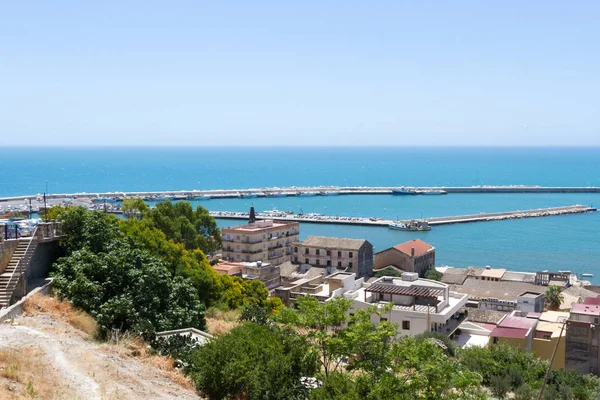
x: 16, y: 268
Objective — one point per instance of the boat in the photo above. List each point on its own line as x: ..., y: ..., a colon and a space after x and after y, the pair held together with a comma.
x: 430, y: 192
x: 250, y: 195
x: 202, y: 197
x: 412, y: 226
x: 330, y: 193
x: 587, y: 275
x: 404, y: 192
x: 308, y: 194
x: 277, y: 194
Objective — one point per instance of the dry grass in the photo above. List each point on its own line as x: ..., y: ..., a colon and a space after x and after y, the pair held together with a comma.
x: 39, y: 304
x: 24, y: 374
x: 135, y: 347
x: 219, y: 322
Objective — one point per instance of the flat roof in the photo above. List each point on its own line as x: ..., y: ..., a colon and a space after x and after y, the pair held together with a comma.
x: 261, y: 225
x: 509, y: 332
x: 552, y: 327
x: 493, y: 273
x: 333, y: 242
x: 531, y: 295
x: 586, y: 309
x: 503, y: 290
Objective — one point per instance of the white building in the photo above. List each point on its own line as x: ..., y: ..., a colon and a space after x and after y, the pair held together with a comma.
x: 419, y: 305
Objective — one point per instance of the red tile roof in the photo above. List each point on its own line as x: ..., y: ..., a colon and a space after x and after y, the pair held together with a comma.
x: 586, y: 309
x: 420, y: 247
x: 509, y: 332
x: 592, y: 301
x: 517, y: 322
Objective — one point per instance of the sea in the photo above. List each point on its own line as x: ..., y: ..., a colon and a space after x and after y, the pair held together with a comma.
x: 569, y: 242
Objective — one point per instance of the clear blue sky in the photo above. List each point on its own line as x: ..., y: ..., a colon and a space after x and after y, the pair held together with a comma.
x: 309, y: 73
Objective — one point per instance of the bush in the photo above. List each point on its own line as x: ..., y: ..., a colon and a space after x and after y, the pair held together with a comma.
x: 525, y: 392
x: 500, y: 386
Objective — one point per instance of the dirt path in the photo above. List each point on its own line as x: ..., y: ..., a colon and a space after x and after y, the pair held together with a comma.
x: 85, y: 369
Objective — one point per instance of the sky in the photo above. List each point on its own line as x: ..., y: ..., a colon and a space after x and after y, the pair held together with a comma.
x: 310, y: 73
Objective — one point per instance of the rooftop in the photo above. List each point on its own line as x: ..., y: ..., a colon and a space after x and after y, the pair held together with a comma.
x: 552, y: 327
x: 261, y: 225
x: 517, y: 322
x: 592, y: 301
x: 333, y: 243
x: 530, y: 295
x: 420, y: 247
x: 509, y: 332
x: 485, y: 316
x: 493, y: 273
x: 586, y: 309
x: 228, y: 268
x: 554, y: 316
x: 401, y: 290
x: 528, y: 277
x: 503, y: 290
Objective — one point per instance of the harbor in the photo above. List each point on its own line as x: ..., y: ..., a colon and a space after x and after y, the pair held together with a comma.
x: 433, y: 221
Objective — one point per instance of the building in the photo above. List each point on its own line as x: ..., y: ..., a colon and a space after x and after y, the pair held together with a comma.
x: 268, y: 274
x: 583, y: 338
x: 323, y: 288
x: 352, y: 255
x: 419, y: 305
x: 229, y: 268
x: 267, y: 241
x: 515, y: 331
x: 549, y: 334
x: 531, y: 302
x: 414, y: 256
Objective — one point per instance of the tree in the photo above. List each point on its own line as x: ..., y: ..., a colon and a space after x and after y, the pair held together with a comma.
x: 134, y: 208
x: 554, y: 297
x: 253, y: 362
x: 525, y: 392
x: 433, y: 274
x: 500, y: 386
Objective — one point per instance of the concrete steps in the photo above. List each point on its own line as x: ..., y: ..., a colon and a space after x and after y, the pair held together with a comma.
x: 7, y: 286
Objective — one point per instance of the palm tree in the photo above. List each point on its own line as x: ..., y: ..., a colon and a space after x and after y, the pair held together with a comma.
x: 554, y: 297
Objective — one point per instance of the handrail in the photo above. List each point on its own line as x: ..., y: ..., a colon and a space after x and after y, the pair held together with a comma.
x: 26, y: 256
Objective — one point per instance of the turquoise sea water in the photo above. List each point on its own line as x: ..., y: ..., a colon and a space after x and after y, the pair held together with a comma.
x: 562, y: 242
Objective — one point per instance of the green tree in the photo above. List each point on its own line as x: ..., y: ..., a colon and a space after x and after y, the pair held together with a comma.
x: 500, y: 386
x: 433, y: 274
x: 253, y: 362
x: 554, y: 297
x: 525, y: 392
x: 134, y: 207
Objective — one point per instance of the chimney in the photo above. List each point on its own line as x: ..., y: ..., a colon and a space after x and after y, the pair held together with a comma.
x: 412, y: 252
x: 252, y: 215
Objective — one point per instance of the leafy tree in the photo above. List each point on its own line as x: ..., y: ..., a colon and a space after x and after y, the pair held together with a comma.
x: 433, y: 274
x: 253, y: 362
x: 554, y: 297
x: 525, y: 392
x: 500, y: 386
x: 134, y: 207
x: 195, y: 229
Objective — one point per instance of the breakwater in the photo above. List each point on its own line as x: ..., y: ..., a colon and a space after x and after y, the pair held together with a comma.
x: 302, y: 191
x: 434, y: 221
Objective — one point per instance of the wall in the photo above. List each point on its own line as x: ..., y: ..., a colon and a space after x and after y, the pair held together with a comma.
x: 7, y: 248
x: 544, y: 348
x: 45, y: 254
x: 520, y: 343
x: 393, y: 257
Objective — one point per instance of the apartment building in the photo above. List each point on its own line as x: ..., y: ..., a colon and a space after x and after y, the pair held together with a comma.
x: 267, y: 241
x: 352, y: 255
x: 583, y: 339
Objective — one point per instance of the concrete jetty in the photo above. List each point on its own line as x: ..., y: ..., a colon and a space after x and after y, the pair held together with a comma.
x: 299, y: 191
x: 434, y: 221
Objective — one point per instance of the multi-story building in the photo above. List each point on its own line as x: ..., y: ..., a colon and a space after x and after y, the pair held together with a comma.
x: 267, y: 241
x: 583, y: 339
x: 414, y: 256
x: 418, y: 305
x: 352, y: 255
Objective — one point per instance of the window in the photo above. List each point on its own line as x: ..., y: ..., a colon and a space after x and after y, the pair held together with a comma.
x: 318, y: 262
x: 295, y: 249
x: 339, y: 253
x: 349, y: 265
x: 328, y: 252
x: 305, y: 251
x: 406, y: 325
x: 339, y: 264
x: 306, y: 261
x: 495, y: 341
x: 328, y: 263
x: 596, y: 321
x: 295, y: 259
x: 350, y: 254
x: 317, y: 252
x: 547, y: 337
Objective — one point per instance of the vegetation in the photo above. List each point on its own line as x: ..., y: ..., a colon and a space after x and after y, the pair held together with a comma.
x: 554, y: 297
x: 387, y: 272
x: 433, y: 274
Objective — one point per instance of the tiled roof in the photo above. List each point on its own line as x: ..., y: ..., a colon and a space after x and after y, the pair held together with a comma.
x: 509, y: 332
x: 592, y: 301
x: 420, y: 247
x: 333, y: 243
x: 484, y: 316
x: 454, y: 278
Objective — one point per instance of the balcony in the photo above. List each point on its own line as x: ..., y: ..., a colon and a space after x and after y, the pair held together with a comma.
x: 246, y: 251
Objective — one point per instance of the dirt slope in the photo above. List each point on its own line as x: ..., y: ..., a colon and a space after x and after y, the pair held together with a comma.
x: 42, y: 356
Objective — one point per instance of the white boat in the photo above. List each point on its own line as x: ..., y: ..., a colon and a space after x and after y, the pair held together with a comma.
x: 412, y: 226
x: 431, y: 192
x: 587, y: 275
x: 277, y: 194
x: 330, y: 193
x: 308, y: 194
x: 250, y: 195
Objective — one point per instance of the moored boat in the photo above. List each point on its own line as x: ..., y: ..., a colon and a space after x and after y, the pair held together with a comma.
x: 433, y: 192
x: 308, y: 194
x: 412, y: 226
x: 587, y: 275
